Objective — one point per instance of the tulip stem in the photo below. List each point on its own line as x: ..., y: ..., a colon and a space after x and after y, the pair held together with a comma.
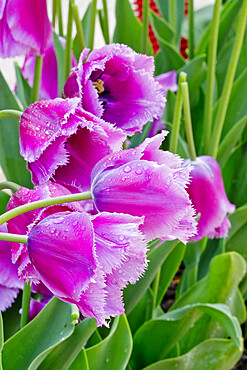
x: 36, y: 79
x: 60, y: 18
x: 155, y: 289
x: 191, y: 29
x: 9, y: 185
x: 212, y: 52
x: 44, y: 203
x: 106, y: 23
x: 177, y: 115
x: 10, y: 113
x: 144, y: 37
x: 92, y: 24
x: 54, y: 12
x: 187, y: 120
x: 80, y: 36
x: 230, y: 74
x: 68, y: 47
x: 16, y: 238
x: 26, y: 295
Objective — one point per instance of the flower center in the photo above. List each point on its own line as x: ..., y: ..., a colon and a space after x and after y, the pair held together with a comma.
x: 99, y: 85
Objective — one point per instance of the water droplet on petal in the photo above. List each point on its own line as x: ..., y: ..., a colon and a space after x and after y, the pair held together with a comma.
x: 138, y: 172
x: 127, y: 169
x: 58, y: 220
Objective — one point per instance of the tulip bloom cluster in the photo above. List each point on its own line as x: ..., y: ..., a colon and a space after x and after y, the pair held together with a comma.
x: 86, y: 252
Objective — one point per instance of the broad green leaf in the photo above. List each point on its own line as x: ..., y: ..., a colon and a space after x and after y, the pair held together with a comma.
x: 128, y: 28
x: 169, y: 269
x: 202, y: 17
x: 155, y: 339
x: 114, y: 351
x: 212, y: 354
x: 63, y: 355
x: 12, y: 163
x: 4, y: 198
x: 235, y: 176
x: 86, y: 31
x: 227, y: 18
x: 168, y: 58
x: 29, y: 346
x: 236, y: 240
x: 233, y: 115
x: 161, y: 27
x: 60, y: 54
x: 229, y: 268
x: 164, y: 9
x: 133, y: 293
x: 23, y: 89
x: 138, y: 315
x: 230, y: 140
x: 81, y: 362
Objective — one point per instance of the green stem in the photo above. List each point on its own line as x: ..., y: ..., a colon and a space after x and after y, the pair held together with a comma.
x: 68, y: 47
x: 144, y: 36
x: 92, y: 24
x: 37, y: 79
x: 177, y: 115
x: 212, y: 52
x: 44, y: 203
x: 155, y: 288
x: 60, y: 17
x: 54, y: 12
x: 106, y: 23
x: 191, y: 29
x: 9, y: 185
x: 80, y: 36
x: 16, y: 238
x: 26, y: 295
x: 187, y: 120
x: 172, y: 15
x: 10, y: 113
x: 227, y: 88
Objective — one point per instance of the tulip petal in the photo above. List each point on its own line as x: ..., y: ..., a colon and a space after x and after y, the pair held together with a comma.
x: 7, y: 297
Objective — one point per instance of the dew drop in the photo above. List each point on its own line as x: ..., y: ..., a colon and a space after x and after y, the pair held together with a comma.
x: 58, y: 220
x: 138, y: 172
x: 121, y: 237
x: 127, y: 169
x: 107, y: 360
x: 52, y: 231
x: 37, y: 128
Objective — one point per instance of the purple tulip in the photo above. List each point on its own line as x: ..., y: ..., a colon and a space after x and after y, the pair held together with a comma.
x: 207, y: 192
x: 10, y: 284
x: 92, y: 259
x: 24, y: 27
x: 62, y: 142
x: 117, y: 84
x: 49, y: 79
x: 146, y: 181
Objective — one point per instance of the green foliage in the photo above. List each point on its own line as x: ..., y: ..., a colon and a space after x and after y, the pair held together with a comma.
x: 114, y: 351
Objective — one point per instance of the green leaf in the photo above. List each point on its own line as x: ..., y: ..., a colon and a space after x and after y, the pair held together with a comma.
x: 81, y: 362
x: 128, y: 28
x: 4, y: 198
x: 12, y: 163
x: 164, y: 9
x: 219, y: 286
x: 236, y: 240
x: 230, y: 140
x: 156, y: 338
x: 169, y: 269
x: 161, y: 27
x: 168, y: 58
x: 63, y: 355
x: 227, y: 18
x: 202, y: 17
x: 31, y: 344
x: 220, y: 354
x: 133, y: 293
x: 114, y: 351
x: 235, y: 176
x: 23, y: 89
x: 86, y: 31
x: 60, y: 53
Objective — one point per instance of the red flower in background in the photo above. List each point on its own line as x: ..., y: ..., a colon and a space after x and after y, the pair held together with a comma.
x: 138, y: 12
